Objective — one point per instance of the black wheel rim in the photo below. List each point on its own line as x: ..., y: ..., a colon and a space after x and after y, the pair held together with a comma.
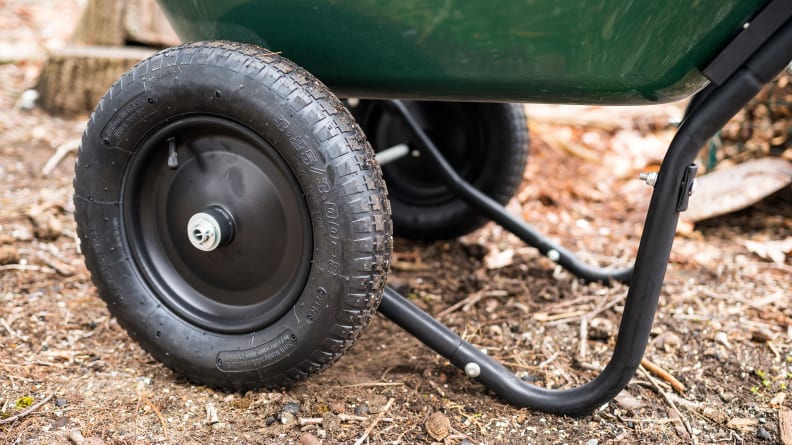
x: 256, y: 277
x: 458, y: 134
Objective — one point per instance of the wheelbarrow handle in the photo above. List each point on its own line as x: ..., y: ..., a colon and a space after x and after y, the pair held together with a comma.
x: 669, y: 197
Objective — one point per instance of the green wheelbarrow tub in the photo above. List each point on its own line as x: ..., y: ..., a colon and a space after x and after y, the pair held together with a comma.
x: 593, y: 52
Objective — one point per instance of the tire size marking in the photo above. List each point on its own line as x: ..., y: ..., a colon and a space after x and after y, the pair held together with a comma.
x: 259, y: 357
x: 330, y: 212
x: 316, y: 305
x: 132, y: 112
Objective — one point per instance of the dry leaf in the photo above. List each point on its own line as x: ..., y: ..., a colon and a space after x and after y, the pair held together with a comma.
x: 774, y: 251
x: 497, y: 259
x: 438, y: 425
x: 628, y: 401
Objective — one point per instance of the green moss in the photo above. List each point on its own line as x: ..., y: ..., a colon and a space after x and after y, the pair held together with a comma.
x: 23, y: 402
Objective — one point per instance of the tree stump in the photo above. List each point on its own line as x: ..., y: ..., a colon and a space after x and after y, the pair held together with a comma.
x: 117, y: 23
x: 76, y: 77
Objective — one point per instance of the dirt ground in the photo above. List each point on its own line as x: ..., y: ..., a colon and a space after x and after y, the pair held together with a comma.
x: 723, y: 328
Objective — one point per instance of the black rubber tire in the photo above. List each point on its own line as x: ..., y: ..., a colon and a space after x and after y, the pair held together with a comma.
x: 262, y: 98
x: 487, y: 143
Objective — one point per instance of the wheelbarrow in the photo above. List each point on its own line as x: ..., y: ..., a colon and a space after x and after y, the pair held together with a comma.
x: 234, y: 215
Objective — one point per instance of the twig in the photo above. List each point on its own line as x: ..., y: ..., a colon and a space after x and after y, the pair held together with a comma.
x: 26, y: 267
x: 342, y: 417
x: 670, y: 403
x: 663, y: 374
x: 28, y: 411
x: 376, y: 421
x: 371, y: 384
x: 583, y: 338
x: 60, y: 153
x: 159, y: 415
x: 62, y: 269
x: 589, y: 315
x: 467, y: 302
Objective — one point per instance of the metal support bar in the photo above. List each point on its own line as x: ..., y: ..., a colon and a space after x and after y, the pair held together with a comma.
x: 650, y: 264
x: 497, y: 213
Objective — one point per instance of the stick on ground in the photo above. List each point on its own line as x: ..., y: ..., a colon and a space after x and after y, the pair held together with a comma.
x: 28, y: 411
x: 375, y: 422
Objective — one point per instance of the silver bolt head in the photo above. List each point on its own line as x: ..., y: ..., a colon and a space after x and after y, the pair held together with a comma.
x: 472, y: 370
x: 203, y: 231
x: 649, y: 178
x: 553, y: 255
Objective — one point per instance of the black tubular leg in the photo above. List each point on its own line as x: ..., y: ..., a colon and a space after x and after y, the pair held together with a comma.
x: 497, y: 213
x: 650, y: 265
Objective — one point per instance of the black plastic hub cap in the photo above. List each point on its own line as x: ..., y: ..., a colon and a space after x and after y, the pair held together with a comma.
x: 257, y: 273
x: 414, y: 179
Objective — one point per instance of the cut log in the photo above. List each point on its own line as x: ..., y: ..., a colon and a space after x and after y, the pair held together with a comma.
x: 144, y: 22
x: 76, y: 77
x: 100, y: 24
x: 117, y: 23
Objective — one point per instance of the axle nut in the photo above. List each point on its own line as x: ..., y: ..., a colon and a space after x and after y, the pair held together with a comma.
x: 203, y: 231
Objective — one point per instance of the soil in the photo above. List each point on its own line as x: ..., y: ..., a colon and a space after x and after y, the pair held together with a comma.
x: 723, y: 328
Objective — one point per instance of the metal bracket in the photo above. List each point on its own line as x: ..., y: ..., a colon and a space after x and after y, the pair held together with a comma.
x: 686, y: 188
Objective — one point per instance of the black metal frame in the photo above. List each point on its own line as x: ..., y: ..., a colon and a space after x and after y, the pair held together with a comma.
x: 669, y: 198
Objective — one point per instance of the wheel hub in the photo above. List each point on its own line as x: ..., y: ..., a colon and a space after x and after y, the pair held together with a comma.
x: 195, y: 230
x: 210, y: 229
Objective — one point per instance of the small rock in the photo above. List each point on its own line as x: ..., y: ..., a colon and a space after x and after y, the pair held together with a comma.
x: 763, y: 434
x: 211, y: 414
x: 28, y: 99
x: 600, y: 329
x: 269, y: 420
x: 76, y: 437
x: 361, y: 410
x: 46, y: 226
x: 668, y: 342
x: 60, y: 403
x: 437, y: 425
x: 309, y: 439
x: 592, y: 442
x: 291, y: 408
x: 723, y: 339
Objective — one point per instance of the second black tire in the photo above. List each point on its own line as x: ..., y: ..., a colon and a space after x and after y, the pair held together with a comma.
x: 486, y: 143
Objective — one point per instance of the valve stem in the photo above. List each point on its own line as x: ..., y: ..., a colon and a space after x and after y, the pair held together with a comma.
x: 173, y: 157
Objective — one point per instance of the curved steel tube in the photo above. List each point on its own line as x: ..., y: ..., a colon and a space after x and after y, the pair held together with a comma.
x: 497, y: 213
x: 650, y: 264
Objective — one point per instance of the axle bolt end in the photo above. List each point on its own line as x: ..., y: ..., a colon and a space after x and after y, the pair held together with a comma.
x: 472, y: 370
x: 649, y: 178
